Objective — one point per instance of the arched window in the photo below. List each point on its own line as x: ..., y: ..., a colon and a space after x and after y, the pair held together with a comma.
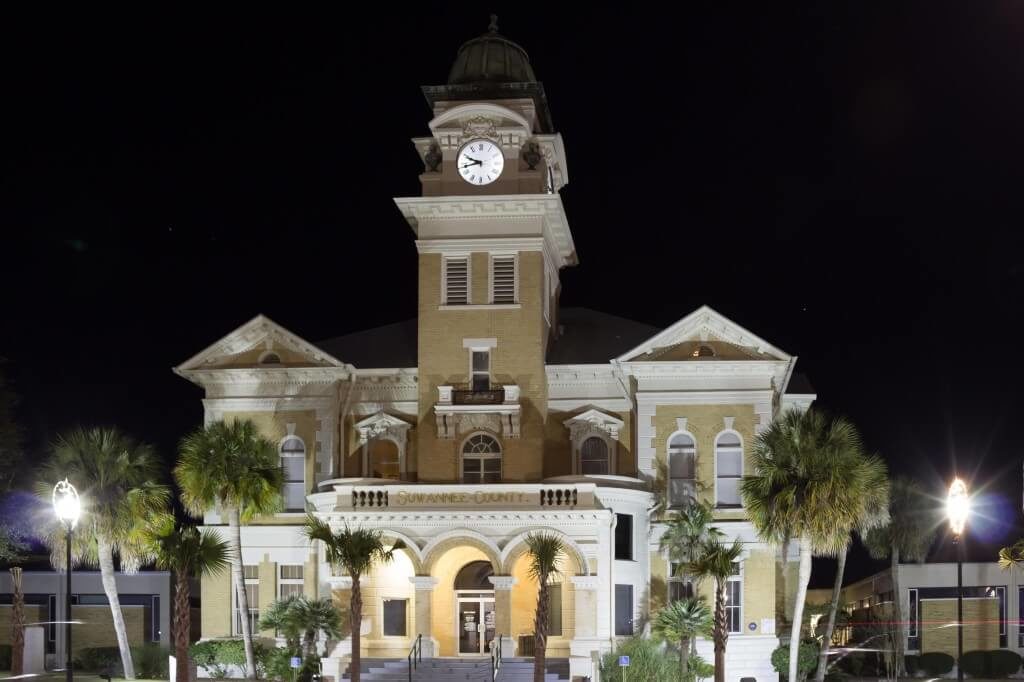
x: 682, y: 470
x: 270, y: 358
x: 481, y: 459
x: 383, y: 459
x: 728, y: 469
x: 594, y: 456
x: 293, y: 462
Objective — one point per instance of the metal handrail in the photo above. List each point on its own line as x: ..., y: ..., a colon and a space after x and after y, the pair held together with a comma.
x: 415, y: 655
x: 495, y: 657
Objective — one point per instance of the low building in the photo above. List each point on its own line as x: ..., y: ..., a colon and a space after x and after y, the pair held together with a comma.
x: 145, y: 602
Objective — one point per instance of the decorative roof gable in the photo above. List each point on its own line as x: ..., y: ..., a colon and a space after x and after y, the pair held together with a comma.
x: 593, y: 419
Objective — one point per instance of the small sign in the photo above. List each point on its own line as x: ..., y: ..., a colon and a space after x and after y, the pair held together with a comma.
x: 296, y: 662
x: 623, y: 661
x: 752, y: 626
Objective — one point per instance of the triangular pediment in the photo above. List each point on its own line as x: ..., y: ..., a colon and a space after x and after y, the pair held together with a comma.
x: 704, y: 334
x: 259, y: 343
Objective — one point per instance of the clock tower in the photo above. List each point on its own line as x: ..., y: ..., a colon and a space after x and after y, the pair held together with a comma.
x: 492, y: 236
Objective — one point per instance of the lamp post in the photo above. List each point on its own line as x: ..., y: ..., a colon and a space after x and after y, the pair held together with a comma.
x: 68, y: 508
x: 957, y: 509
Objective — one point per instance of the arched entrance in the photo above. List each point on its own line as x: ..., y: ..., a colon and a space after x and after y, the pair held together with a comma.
x: 474, y: 608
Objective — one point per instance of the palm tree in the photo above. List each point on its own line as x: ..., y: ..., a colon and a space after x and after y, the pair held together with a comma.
x: 545, y: 550
x: 187, y: 552
x: 17, y: 624
x: 682, y: 621
x: 299, y: 618
x: 231, y: 466
x: 907, y: 536
x: 875, y: 488
x: 115, y: 475
x: 808, y: 483
x: 717, y: 560
x: 356, y: 550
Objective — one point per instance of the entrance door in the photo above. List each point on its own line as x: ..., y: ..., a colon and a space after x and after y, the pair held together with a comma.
x: 475, y: 624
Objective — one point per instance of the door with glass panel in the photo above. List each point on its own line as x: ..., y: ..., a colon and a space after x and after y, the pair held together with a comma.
x: 476, y: 621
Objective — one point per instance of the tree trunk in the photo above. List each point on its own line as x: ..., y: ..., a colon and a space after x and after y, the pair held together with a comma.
x: 721, y: 633
x: 356, y: 621
x: 17, y: 625
x: 900, y: 639
x: 803, y: 577
x: 684, y: 663
x: 182, y: 626
x: 106, y: 557
x: 540, y: 631
x: 242, y: 599
x: 826, y: 639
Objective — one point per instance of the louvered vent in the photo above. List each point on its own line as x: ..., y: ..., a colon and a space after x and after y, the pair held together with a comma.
x: 504, y: 279
x: 456, y: 281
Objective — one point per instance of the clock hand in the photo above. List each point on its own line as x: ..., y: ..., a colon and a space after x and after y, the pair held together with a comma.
x: 475, y: 163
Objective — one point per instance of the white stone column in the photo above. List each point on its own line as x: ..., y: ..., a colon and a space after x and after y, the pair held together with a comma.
x: 424, y: 586
x: 503, y: 612
x: 585, y: 640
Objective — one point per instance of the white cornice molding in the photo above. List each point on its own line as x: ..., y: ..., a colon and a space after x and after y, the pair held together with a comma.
x: 276, y: 404
x: 703, y: 397
x: 567, y: 404
x: 557, y: 236
x: 455, y: 118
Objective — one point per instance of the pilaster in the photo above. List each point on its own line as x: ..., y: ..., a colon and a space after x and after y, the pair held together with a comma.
x: 424, y: 586
x: 503, y: 585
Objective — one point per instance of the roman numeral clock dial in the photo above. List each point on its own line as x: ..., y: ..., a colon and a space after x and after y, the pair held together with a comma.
x: 480, y: 162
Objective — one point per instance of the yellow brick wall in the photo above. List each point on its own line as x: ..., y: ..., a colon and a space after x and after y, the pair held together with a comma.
x: 558, y: 446
x: 33, y: 614
x: 758, y: 589
x: 705, y: 422
x: 517, y: 359
x: 215, y: 592
x: 267, y: 571
x: 96, y: 626
x: 524, y: 606
x: 309, y: 577
x: 981, y: 625
x: 658, y: 594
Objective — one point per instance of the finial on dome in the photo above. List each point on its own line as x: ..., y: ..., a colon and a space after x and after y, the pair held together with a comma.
x: 493, y: 26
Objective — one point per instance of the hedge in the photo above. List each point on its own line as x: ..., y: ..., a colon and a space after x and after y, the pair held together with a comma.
x: 911, y: 664
x: 807, y: 659
x: 936, y: 663
x: 97, y: 659
x: 975, y: 663
x: 995, y: 664
x: 5, y: 656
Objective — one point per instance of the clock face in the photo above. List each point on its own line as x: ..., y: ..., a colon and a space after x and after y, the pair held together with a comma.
x: 480, y: 162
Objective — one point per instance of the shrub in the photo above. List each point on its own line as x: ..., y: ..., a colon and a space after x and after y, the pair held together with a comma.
x: 935, y: 663
x: 1001, y: 663
x: 98, y: 659
x: 217, y: 654
x: 5, y: 656
x: 277, y: 664
x: 151, y: 661
x: 975, y: 663
x: 807, y: 659
x: 648, y: 661
x: 699, y: 668
x: 911, y: 664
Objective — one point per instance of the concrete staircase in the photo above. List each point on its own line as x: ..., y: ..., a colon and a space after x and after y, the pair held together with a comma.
x: 458, y: 670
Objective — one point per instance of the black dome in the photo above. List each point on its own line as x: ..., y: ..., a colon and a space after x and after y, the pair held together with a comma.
x: 491, y: 58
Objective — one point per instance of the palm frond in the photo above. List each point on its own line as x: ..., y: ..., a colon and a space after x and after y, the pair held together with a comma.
x: 545, y: 551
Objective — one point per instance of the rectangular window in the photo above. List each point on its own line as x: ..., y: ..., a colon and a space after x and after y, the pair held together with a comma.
x: 624, y: 537
x: 912, y: 614
x: 251, y: 576
x: 290, y: 581
x: 394, y: 617
x: 1020, y: 616
x: 456, y: 281
x: 480, y: 370
x: 503, y: 279
x: 734, y: 600
x: 623, y: 610
x: 294, y: 482
x: 680, y: 586
x: 555, y: 610
x: 728, y: 470
x: 1001, y: 596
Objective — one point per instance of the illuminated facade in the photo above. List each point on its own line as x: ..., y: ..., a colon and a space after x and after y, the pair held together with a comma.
x: 495, y: 413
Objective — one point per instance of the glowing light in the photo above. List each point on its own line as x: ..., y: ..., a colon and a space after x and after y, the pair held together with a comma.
x: 958, y: 506
x: 66, y: 504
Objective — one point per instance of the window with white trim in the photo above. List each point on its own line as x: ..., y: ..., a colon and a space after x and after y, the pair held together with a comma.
x: 680, y: 585
x: 289, y: 580
x: 251, y: 577
x: 480, y: 369
x: 293, y: 463
x: 395, y: 612
x: 728, y: 469
x: 456, y: 280
x: 503, y: 279
x: 734, y: 599
x: 682, y: 470
x: 481, y: 459
x: 594, y: 456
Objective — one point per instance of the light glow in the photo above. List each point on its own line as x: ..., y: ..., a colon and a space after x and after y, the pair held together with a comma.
x: 958, y: 506
x: 66, y: 504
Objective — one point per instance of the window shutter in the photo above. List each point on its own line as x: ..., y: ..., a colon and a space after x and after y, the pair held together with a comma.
x: 503, y: 279
x: 456, y: 281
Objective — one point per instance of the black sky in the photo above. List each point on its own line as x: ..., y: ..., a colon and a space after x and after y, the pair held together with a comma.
x: 844, y: 179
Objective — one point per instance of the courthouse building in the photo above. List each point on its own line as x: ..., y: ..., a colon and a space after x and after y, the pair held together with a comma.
x: 496, y: 413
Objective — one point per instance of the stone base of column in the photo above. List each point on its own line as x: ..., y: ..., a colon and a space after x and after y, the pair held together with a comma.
x: 508, y: 646
x: 430, y: 647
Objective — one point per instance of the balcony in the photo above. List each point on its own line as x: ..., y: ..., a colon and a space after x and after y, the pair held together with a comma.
x: 460, y: 410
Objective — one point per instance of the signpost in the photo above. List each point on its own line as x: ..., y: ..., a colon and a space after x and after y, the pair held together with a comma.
x: 623, y: 663
x: 296, y: 663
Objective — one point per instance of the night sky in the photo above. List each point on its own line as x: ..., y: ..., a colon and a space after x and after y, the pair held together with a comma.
x: 844, y: 180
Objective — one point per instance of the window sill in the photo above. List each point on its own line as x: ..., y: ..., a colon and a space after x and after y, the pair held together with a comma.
x: 482, y: 306
x: 730, y: 507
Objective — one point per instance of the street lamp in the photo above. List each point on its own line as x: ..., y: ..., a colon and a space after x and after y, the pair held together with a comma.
x: 68, y: 508
x: 958, y: 507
